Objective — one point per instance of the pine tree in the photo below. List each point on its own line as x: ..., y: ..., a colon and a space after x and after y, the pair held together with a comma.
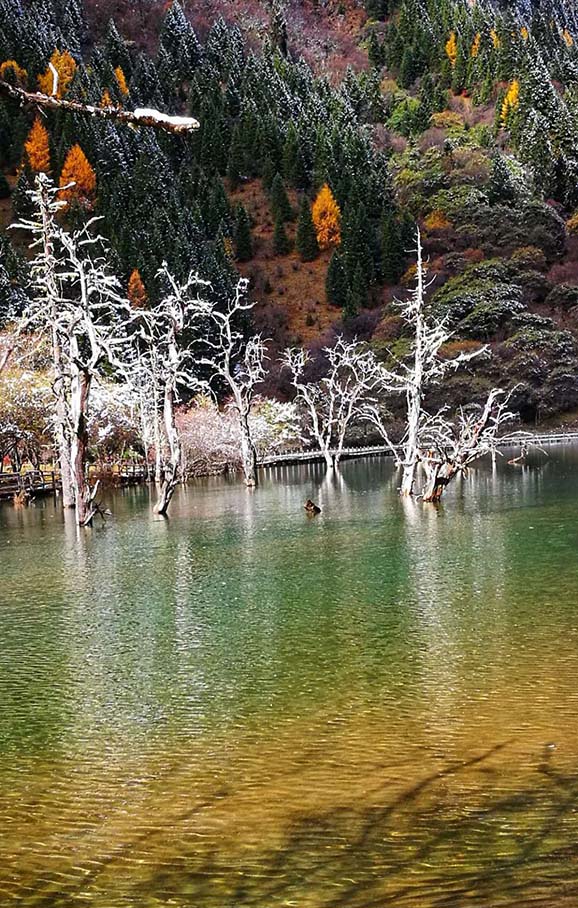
x: 243, y: 241
x: 280, y: 205
x: 235, y: 161
x: 391, y: 249
x: 77, y: 170
x: 268, y: 174
x: 306, y: 237
x: 137, y: 294
x: 37, y: 147
x: 336, y: 281
x: 281, y: 242
x: 326, y: 218
x: 356, y: 297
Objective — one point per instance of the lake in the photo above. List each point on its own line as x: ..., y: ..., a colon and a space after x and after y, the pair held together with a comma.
x: 244, y: 706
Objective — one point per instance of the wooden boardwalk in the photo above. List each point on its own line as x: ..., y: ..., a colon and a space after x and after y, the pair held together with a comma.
x: 33, y: 483
x: 516, y: 439
x: 38, y: 483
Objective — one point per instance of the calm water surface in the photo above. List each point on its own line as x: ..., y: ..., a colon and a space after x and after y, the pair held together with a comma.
x: 242, y: 706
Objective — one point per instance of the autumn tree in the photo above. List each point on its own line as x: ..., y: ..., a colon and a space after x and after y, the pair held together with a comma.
x: 510, y: 102
x: 452, y: 49
x: 65, y: 67
x: 121, y: 81
x: 77, y: 180
x: 37, y: 147
x: 137, y: 295
x: 326, y: 218
x: 11, y: 71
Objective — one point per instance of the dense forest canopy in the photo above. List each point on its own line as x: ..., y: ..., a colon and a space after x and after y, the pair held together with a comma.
x: 464, y: 119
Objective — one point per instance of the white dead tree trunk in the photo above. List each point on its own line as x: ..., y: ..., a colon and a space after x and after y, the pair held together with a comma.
x: 164, y: 364
x: 425, y: 369
x: 78, y: 303
x: 47, y: 281
x: 450, y: 446
x: 353, y: 381
x: 235, y: 362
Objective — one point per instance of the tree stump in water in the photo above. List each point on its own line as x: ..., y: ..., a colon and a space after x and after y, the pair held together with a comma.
x: 311, y: 508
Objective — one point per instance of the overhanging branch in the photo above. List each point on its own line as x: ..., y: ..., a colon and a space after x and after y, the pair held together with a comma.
x: 143, y: 116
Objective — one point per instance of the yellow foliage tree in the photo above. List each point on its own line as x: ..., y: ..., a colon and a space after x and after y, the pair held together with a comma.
x: 65, y: 66
x: 511, y: 101
x: 137, y: 295
x: 476, y: 46
x: 568, y: 39
x: 495, y: 38
x: 524, y: 33
x: 106, y: 100
x: 37, y: 147
x: 11, y: 66
x: 121, y: 80
x: 326, y: 216
x: 452, y: 48
x: 77, y: 170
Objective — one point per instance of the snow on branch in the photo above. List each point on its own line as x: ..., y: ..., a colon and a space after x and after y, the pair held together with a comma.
x: 142, y: 116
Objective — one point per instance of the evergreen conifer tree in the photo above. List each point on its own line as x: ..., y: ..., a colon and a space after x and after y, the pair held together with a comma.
x: 280, y: 205
x: 306, y: 237
x: 336, y: 280
x: 281, y: 242
x: 243, y: 241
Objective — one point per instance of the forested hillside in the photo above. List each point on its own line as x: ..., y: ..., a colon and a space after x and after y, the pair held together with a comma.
x: 460, y: 117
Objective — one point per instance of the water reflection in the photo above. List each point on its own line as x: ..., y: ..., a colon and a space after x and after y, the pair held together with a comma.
x: 242, y: 706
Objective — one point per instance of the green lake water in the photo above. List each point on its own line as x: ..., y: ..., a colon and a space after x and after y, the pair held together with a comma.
x: 242, y: 706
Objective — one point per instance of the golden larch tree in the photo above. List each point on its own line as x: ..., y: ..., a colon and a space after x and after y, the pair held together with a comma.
x: 524, y: 33
x: 10, y: 67
x: 137, y: 295
x: 37, y: 147
x: 452, y: 48
x: 567, y: 37
x: 496, y: 41
x: 77, y: 170
x: 475, y: 49
x: 511, y: 101
x: 65, y: 66
x: 121, y: 81
x: 326, y: 216
x: 106, y: 100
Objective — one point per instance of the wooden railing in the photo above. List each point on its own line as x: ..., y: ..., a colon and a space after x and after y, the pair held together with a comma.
x: 31, y: 482
x: 512, y: 440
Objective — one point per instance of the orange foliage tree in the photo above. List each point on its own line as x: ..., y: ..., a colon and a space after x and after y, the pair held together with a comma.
x: 37, y: 147
x: 77, y: 170
x: 452, y: 48
x: 138, y: 297
x: 511, y: 101
x: 11, y: 67
x: 121, y: 81
x: 65, y: 66
x: 326, y: 216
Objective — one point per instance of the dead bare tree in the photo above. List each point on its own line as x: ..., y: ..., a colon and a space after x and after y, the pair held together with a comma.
x: 448, y: 446
x: 425, y: 369
x: 165, y: 365
x: 234, y: 361
x: 353, y: 382
x: 77, y: 301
